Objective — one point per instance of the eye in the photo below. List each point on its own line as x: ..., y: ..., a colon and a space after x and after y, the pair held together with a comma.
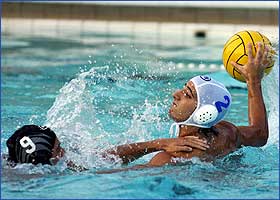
x: 185, y: 93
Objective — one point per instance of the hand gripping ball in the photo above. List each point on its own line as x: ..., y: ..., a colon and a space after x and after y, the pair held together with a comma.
x: 235, y: 50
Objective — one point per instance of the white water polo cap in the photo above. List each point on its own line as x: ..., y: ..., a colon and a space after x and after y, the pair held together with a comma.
x: 213, y: 103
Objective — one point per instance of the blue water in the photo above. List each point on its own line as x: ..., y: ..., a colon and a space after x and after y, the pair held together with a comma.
x: 100, y: 94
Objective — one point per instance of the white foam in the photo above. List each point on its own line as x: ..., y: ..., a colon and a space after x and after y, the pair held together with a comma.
x: 271, y: 97
x: 74, y: 120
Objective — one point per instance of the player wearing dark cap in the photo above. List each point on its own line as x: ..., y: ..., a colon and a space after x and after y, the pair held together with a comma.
x: 33, y: 144
x: 39, y: 144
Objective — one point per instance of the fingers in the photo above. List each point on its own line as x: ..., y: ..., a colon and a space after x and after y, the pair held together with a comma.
x: 249, y: 51
x: 187, y: 144
x: 182, y: 148
x: 237, y: 66
x: 260, y: 53
x: 200, y: 146
x: 267, y: 58
x: 198, y: 142
x: 195, y: 142
x: 194, y: 139
x: 266, y: 50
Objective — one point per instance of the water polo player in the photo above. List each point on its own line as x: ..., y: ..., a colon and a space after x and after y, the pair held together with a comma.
x: 199, y: 107
x: 34, y: 144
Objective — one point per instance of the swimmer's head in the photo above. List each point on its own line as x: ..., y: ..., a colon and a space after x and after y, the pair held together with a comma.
x: 203, y: 102
x: 34, y: 144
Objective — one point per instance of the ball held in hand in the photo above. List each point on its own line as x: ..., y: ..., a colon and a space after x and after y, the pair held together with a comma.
x: 235, y: 50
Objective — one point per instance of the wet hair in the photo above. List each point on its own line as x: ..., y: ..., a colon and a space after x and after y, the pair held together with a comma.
x: 43, y: 139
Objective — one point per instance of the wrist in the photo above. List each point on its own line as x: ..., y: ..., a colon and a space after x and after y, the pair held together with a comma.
x: 254, y: 88
x: 158, y: 144
x: 254, y: 81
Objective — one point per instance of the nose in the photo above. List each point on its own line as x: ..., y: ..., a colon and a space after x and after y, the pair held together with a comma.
x: 176, y: 95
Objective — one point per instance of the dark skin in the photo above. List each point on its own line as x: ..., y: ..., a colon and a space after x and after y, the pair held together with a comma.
x: 131, y: 152
x: 224, y: 137
x: 227, y: 137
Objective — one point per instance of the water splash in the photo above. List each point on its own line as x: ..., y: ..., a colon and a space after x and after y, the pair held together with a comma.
x: 143, y: 123
x: 27, y: 171
x: 73, y: 118
x: 271, y: 96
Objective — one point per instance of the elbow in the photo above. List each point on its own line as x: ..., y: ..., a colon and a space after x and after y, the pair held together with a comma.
x: 259, y: 138
x: 264, y: 142
x: 254, y: 136
x: 264, y: 136
x: 262, y: 139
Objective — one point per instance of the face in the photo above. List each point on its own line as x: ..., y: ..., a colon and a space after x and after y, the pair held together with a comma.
x: 184, y: 103
x: 57, y: 152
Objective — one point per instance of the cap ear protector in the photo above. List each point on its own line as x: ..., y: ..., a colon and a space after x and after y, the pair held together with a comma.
x: 205, y: 114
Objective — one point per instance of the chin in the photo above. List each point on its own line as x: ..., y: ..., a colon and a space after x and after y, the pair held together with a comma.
x: 171, y: 115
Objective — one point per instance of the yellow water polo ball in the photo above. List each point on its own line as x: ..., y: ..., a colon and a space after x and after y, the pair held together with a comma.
x: 235, y: 50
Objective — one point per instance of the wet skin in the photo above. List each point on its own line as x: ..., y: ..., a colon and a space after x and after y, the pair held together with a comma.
x: 221, y: 141
x: 224, y: 137
x: 184, y: 103
x: 57, y: 152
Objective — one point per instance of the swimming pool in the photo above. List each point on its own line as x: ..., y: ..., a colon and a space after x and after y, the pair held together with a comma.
x: 114, y: 90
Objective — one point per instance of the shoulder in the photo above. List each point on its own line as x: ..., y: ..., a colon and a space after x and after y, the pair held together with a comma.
x: 228, y: 129
x: 226, y: 125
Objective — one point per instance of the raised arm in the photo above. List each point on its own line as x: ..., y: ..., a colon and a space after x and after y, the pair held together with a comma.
x: 256, y: 134
x: 131, y: 152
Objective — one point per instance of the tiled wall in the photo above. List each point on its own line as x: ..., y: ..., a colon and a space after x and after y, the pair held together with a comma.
x: 227, y: 15
x: 158, y: 32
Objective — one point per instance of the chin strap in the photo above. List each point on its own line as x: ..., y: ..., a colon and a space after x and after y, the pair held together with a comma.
x: 171, y: 130
x: 177, y: 126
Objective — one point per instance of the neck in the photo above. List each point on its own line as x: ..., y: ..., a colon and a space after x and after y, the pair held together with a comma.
x: 187, y: 130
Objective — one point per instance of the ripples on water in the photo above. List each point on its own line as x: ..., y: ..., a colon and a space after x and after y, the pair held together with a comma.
x: 126, y: 100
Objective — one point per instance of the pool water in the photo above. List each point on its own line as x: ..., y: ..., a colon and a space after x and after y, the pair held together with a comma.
x: 115, y: 90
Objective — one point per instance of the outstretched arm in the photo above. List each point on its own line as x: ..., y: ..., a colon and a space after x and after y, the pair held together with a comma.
x: 256, y: 134
x: 131, y: 152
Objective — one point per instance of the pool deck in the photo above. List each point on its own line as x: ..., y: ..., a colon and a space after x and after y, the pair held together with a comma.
x: 165, y: 20
x: 261, y: 13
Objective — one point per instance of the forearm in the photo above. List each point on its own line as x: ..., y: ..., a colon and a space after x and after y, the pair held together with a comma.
x: 256, y: 134
x: 256, y: 107
x: 131, y: 152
